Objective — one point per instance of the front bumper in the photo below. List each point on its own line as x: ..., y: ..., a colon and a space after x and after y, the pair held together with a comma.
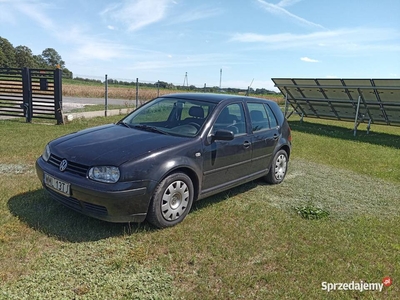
x: 121, y: 202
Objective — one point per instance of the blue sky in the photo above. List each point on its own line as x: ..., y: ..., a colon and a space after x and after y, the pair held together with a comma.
x: 252, y: 41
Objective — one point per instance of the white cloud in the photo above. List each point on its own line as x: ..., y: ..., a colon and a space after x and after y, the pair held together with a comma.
x: 99, y: 50
x: 196, y: 14
x: 138, y: 13
x: 153, y: 62
x: 110, y: 8
x: 6, y: 15
x: 352, y: 40
x: 278, y: 9
x: 310, y: 60
x: 285, y: 3
x: 83, y: 45
x: 35, y: 12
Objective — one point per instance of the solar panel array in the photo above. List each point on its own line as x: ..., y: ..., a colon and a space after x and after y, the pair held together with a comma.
x: 376, y: 101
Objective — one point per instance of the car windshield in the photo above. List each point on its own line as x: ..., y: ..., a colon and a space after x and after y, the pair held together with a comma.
x: 173, y: 116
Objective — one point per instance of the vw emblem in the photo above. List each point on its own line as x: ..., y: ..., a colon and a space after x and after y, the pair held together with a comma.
x: 63, y: 165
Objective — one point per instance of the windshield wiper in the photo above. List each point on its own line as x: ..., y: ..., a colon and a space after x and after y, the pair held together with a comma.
x: 124, y: 124
x: 149, y: 128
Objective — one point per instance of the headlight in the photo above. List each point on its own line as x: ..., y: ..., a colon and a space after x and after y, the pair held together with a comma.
x: 46, y: 153
x: 104, y: 174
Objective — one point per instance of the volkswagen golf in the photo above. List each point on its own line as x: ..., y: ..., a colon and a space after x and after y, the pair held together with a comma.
x: 174, y: 150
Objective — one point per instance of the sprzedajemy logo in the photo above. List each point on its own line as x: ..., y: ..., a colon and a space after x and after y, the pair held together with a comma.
x: 356, y: 286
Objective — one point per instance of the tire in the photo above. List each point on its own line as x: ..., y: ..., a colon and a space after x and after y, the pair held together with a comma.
x: 171, y: 201
x: 278, y: 169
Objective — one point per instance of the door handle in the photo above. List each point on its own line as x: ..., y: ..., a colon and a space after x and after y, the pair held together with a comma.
x: 276, y: 136
x: 246, y: 144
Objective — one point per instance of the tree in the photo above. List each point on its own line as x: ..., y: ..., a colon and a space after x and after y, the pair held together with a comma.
x: 2, y: 58
x: 40, y: 61
x: 24, y: 57
x: 67, y: 73
x: 8, y: 57
x: 52, y: 58
x: 162, y: 84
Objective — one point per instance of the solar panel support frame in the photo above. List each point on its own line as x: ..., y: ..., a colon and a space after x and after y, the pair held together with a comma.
x: 378, y: 99
x: 356, y: 123
x: 359, y: 119
x: 287, y: 102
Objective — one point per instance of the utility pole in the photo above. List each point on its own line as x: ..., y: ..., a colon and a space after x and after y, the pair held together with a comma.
x: 185, y: 81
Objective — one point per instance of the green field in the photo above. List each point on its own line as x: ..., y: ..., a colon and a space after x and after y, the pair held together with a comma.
x: 248, y: 243
x: 78, y: 88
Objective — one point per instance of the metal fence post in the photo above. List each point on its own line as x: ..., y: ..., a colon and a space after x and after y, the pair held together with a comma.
x: 27, y: 94
x: 106, y: 96
x: 58, y: 96
x: 137, y: 93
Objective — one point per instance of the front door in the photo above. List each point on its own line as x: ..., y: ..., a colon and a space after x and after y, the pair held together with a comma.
x: 226, y: 162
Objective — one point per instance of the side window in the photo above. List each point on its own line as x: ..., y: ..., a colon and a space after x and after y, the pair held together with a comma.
x: 258, y: 116
x: 272, y: 119
x: 231, y: 118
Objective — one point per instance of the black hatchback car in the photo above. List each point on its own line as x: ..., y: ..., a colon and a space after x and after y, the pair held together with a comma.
x: 168, y: 153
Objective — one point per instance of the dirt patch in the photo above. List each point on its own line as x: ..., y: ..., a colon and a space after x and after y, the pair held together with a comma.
x: 15, y: 169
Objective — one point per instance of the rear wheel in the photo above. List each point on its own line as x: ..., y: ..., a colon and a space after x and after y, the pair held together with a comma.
x: 278, y: 168
x: 171, y: 201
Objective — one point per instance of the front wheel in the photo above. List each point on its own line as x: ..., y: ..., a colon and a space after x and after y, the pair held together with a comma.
x: 278, y: 168
x: 171, y: 201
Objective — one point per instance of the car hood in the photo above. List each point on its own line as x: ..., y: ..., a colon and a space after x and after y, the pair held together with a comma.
x: 111, y: 145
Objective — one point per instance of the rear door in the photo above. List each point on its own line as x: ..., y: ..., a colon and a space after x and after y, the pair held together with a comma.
x: 265, y: 135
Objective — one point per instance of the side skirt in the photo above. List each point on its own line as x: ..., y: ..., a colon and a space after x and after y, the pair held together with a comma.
x: 228, y: 185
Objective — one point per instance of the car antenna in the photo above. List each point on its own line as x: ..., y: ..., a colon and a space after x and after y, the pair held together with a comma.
x: 248, y: 88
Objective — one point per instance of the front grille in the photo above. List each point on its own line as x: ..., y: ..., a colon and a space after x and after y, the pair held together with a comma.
x: 72, y: 167
x: 79, y: 206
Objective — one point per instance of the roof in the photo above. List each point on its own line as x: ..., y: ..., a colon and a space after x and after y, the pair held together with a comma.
x: 210, y: 97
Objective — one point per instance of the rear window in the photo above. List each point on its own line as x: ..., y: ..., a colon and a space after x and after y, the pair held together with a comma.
x: 272, y: 119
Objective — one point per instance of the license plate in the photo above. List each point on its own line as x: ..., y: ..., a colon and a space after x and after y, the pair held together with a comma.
x: 57, y: 185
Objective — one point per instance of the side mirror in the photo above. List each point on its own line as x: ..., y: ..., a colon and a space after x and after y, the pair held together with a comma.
x: 222, y: 135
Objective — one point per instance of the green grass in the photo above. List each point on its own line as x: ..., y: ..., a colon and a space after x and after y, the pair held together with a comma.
x: 247, y: 243
x: 375, y: 154
x: 99, y: 107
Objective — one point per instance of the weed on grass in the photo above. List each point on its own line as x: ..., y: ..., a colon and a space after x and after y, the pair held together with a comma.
x: 311, y: 212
